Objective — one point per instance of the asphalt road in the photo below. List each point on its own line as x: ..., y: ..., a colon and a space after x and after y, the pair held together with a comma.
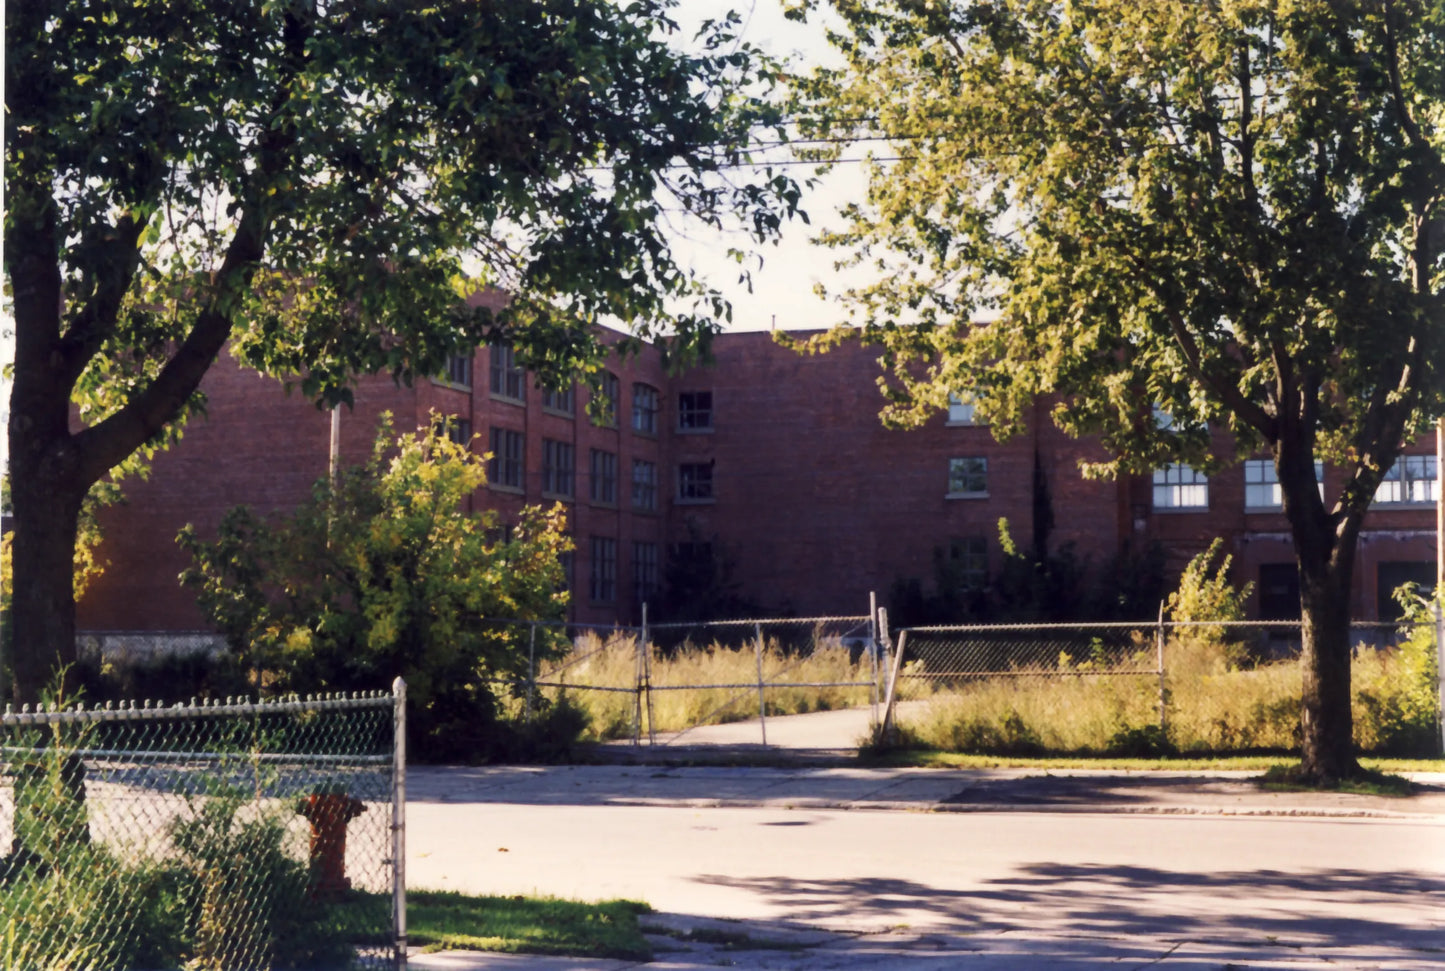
x: 1351, y: 890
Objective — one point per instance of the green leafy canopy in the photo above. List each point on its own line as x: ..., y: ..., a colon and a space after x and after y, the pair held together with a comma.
x: 1233, y: 210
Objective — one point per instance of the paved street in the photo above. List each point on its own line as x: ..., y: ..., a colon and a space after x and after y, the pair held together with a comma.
x: 1006, y: 869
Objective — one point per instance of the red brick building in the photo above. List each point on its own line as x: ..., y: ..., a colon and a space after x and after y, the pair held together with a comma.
x: 777, y: 458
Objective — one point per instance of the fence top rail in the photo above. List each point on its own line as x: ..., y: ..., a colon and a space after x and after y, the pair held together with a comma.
x: 149, y: 756
x: 565, y: 624
x: 1150, y: 625
x: 773, y: 621
x: 149, y: 711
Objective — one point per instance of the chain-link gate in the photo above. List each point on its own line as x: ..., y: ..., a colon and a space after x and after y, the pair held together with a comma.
x: 667, y: 679
x: 699, y: 674
x: 213, y: 836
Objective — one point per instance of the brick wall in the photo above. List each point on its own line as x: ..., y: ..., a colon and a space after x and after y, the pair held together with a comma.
x: 816, y: 503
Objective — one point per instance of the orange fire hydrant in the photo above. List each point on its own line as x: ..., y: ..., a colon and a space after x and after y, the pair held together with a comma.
x: 328, y: 813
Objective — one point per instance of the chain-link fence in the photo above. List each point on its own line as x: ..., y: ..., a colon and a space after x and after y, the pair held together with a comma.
x: 708, y: 673
x: 657, y: 682
x: 211, y: 836
x: 1146, y: 688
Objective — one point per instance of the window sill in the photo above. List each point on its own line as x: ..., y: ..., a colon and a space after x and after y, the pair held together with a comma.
x: 559, y: 413
x: 696, y: 431
x: 964, y: 424
x: 1402, y: 505
x: 444, y: 383
x: 710, y: 500
x: 503, y: 487
x: 1178, y: 510
x: 641, y: 433
x: 601, y: 504
x: 644, y: 510
x: 559, y: 497
x: 508, y: 399
x: 965, y: 495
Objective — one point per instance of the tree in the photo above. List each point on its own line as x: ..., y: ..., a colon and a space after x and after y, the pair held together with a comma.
x: 381, y: 574
x: 1232, y: 210
x: 319, y: 183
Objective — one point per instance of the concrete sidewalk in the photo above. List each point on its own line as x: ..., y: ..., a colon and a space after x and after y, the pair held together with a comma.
x: 912, y: 789
x: 683, y: 941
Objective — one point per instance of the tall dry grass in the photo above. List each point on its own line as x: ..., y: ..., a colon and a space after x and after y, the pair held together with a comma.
x: 1217, y: 701
x: 601, y: 677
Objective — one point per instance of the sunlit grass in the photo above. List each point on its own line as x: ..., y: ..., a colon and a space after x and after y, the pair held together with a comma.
x: 1216, y: 703
x: 701, y: 685
x: 443, y: 920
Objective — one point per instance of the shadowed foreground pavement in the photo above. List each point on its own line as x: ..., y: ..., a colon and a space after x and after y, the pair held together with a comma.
x: 994, y: 870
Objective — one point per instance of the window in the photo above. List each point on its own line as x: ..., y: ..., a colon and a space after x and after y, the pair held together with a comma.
x: 968, y: 476
x: 1278, y: 591
x: 560, y: 402
x: 566, y: 560
x: 604, y: 569
x: 1180, y: 487
x: 644, y: 570
x: 457, y: 429
x: 968, y: 561
x: 694, y: 411
x: 644, y: 485
x: 506, y: 375
x: 603, y: 486
x: 1261, y: 484
x: 960, y: 410
x: 1391, y: 575
x: 504, y: 469
x: 557, y: 468
x: 694, y: 482
x: 610, y: 394
x: 459, y: 370
x: 644, y: 408
x: 1410, y: 479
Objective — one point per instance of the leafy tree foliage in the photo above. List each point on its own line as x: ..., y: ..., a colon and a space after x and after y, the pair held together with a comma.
x: 1232, y: 210
x: 382, y: 574
x: 319, y: 183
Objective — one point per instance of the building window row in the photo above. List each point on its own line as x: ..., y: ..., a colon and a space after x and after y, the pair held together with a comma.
x: 602, y: 570
x: 694, y: 408
x: 1178, y: 486
x: 695, y: 482
x: 603, y: 585
x: 644, y: 485
x: 603, y: 488
x: 558, y: 468
x: 694, y: 411
x: 967, y: 477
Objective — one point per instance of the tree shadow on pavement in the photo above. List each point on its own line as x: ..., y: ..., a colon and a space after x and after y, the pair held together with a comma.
x: 1317, y: 908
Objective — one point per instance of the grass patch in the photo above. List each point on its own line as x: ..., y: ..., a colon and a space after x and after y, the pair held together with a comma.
x: 929, y: 758
x: 1286, y: 778
x: 445, y: 920
x: 1219, y: 698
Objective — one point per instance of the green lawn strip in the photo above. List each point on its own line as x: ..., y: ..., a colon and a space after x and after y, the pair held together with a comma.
x: 445, y: 920
x: 1246, y: 763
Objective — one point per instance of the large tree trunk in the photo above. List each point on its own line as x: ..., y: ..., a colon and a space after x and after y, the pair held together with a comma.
x: 1326, y: 721
x: 42, y: 608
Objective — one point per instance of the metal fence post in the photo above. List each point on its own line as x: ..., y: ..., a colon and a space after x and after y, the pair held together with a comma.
x: 398, y: 822
x: 639, y: 677
x: 888, y: 703
x: 762, y: 695
x: 1163, y: 692
x: 1440, y: 670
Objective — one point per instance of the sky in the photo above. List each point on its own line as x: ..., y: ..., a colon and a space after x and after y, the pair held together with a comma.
x: 782, y: 293
x: 783, y: 283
